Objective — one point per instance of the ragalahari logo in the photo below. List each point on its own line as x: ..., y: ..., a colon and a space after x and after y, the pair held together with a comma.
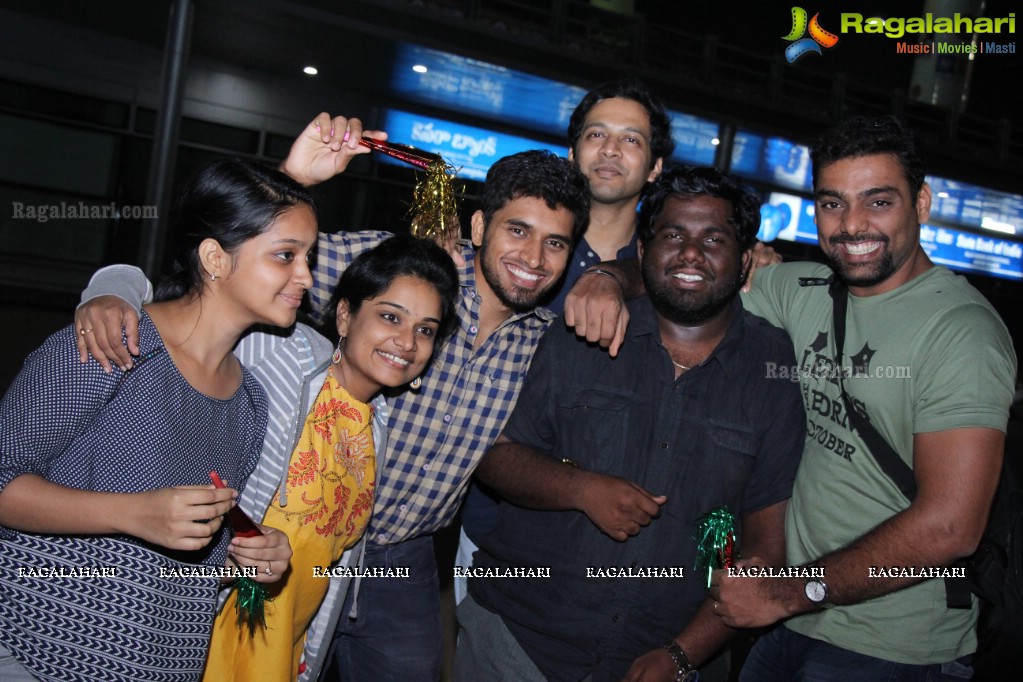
x: 802, y: 46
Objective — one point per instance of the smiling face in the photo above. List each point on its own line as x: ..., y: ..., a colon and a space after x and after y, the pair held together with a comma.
x: 390, y: 339
x: 868, y: 223
x: 613, y: 150
x: 265, y: 278
x: 523, y: 252
x: 692, y: 266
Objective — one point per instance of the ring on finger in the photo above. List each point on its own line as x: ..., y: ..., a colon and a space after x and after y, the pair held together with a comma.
x: 84, y: 331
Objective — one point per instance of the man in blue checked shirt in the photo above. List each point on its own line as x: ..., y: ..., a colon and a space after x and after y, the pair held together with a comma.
x: 534, y: 208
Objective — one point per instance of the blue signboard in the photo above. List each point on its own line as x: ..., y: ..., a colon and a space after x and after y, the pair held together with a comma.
x: 973, y: 253
x: 772, y: 159
x: 966, y: 204
x: 788, y: 217
x: 470, y: 150
x: 495, y: 92
x: 695, y: 139
x: 475, y: 87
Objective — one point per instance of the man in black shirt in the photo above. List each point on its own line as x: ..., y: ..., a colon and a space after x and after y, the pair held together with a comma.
x: 607, y: 463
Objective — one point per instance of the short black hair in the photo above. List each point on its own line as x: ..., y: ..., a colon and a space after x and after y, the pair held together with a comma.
x: 538, y: 174
x: 661, y: 142
x: 371, y: 272
x: 696, y: 181
x: 863, y: 136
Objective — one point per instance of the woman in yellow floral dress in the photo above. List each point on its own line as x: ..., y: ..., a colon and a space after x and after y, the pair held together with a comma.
x: 396, y: 301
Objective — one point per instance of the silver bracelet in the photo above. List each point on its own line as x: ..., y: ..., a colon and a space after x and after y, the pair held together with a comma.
x: 685, y: 670
x: 602, y: 271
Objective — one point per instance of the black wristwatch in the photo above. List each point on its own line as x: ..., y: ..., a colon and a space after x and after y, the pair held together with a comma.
x: 816, y: 590
x: 686, y: 671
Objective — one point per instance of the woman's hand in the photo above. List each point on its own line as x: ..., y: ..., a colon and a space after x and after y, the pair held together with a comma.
x: 99, y: 323
x: 183, y: 518
x: 269, y: 553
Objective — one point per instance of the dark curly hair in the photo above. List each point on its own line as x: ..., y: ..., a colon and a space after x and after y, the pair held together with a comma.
x: 661, y: 142
x: 863, y: 136
x: 695, y: 181
x: 541, y: 175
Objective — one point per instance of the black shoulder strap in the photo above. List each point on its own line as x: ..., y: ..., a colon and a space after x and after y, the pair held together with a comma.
x: 891, y: 464
x: 957, y: 590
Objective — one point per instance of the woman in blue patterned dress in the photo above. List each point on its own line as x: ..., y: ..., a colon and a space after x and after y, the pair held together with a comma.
x: 110, y: 555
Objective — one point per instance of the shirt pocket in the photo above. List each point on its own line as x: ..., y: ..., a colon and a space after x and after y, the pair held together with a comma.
x: 717, y: 472
x: 592, y: 427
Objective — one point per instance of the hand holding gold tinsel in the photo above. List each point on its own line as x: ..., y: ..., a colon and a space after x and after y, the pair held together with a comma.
x: 434, y: 209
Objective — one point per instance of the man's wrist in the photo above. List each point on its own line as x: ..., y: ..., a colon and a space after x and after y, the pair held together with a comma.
x: 608, y: 273
x: 685, y: 672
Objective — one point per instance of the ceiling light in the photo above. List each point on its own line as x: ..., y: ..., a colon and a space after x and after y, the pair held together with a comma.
x: 310, y: 70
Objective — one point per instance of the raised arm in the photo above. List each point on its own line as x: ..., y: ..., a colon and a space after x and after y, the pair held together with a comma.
x: 325, y: 147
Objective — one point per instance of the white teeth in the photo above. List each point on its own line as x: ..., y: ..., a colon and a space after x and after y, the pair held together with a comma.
x: 394, y: 358
x: 860, y: 248
x: 688, y: 278
x: 523, y: 274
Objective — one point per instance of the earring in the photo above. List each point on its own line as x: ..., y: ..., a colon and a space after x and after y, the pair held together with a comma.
x: 213, y: 277
x: 336, y: 358
x: 416, y: 383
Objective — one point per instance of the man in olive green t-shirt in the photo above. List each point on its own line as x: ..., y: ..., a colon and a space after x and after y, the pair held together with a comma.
x: 928, y: 361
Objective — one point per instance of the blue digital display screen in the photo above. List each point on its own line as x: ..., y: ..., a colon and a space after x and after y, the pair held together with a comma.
x: 471, y: 86
x: 772, y: 159
x: 694, y: 139
x: 966, y: 204
x: 470, y: 150
x: 973, y: 253
x: 488, y: 90
x: 788, y: 217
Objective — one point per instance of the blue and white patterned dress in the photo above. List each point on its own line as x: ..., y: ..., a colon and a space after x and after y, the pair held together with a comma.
x: 121, y: 432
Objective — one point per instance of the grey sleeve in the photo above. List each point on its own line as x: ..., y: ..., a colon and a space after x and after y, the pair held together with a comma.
x: 126, y: 282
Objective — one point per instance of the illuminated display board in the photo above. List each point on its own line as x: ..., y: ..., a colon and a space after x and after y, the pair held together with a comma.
x: 966, y: 204
x: 694, y: 139
x: 470, y: 150
x: 772, y: 159
x: 487, y: 90
x: 482, y: 89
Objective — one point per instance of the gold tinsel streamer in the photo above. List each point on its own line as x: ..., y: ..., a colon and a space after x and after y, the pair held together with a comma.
x: 434, y: 208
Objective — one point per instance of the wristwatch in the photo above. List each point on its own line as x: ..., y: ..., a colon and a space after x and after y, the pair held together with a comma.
x: 686, y: 671
x: 816, y: 590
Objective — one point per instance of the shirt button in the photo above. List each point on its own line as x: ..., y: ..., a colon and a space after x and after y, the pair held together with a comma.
x: 403, y: 507
x: 473, y: 329
x: 614, y: 618
x: 447, y: 419
x: 590, y: 254
x: 582, y: 263
x: 664, y: 446
x: 381, y: 537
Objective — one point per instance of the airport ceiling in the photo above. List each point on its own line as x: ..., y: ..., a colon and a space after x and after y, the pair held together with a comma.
x: 349, y: 39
